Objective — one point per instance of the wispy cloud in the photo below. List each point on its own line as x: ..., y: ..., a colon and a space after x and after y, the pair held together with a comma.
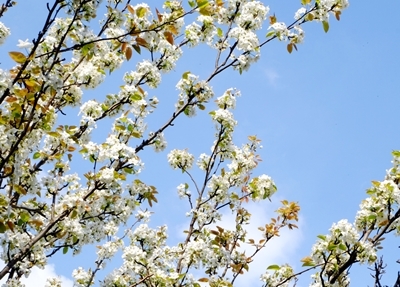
x: 38, y: 277
x: 272, y: 76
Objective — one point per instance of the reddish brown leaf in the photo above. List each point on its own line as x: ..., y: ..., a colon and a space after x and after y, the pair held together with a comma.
x: 169, y: 37
x: 159, y: 16
x: 128, y: 53
x: 130, y: 8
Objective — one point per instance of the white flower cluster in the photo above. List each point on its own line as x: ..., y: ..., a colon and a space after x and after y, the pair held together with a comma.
x: 81, y: 277
x: 108, y: 249
x: 261, y: 187
x: 4, y: 33
x: 146, y: 72
x: 158, y: 143
x: 281, y: 274
x: 335, y: 249
x: 183, y: 190
x: 247, y: 41
x: 224, y: 118
x: 295, y: 36
x: 299, y: 13
x: 53, y: 282
x: 252, y: 15
x: 326, y: 6
x: 219, y: 186
x: 206, y: 32
x: 228, y: 99
x: 90, y: 111
x: 146, y: 246
x: 375, y: 210
x: 203, y: 161
x: 5, y: 81
x: 180, y: 159
x: 190, y: 88
x: 88, y: 75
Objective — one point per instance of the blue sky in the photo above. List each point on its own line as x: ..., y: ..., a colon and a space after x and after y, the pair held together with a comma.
x: 327, y: 115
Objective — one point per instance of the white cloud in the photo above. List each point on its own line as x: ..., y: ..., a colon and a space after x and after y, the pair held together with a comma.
x: 272, y: 76
x: 38, y: 277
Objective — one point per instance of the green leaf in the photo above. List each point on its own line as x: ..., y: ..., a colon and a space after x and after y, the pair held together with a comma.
x: 201, y: 3
x: 24, y: 216
x: 205, y: 11
x: 65, y: 249
x: 36, y: 155
x: 220, y: 33
x: 83, y: 151
x: 120, y: 127
x: 273, y: 267
x: 86, y: 49
x: 141, y: 12
x: 323, y: 237
x: 331, y: 246
x: 136, y: 97
x: 136, y: 134
x: 270, y: 34
x: 19, y: 189
x: 128, y: 170
x: 74, y: 213
x: 185, y: 75
x: 375, y: 183
x: 104, y: 107
x: 342, y: 247
x: 137, y: 48
x: 307, y: 261
x: 192, y: 4
x: 325, y: 24
x: 17, y: 57
x: 54, y: 134
x: 186, y: 111
x: 308, y: 264
x: 396, y: 153
x: 3, y: 227
x: 59, y: 165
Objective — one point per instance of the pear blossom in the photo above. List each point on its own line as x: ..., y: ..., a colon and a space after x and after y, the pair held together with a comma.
x: 181, y: 159
x: 47, y: 207
x: 24, y: 44
x: 4, y: 33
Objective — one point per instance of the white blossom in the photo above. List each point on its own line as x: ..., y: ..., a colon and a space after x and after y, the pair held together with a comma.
x: 299, y: 13
x: 4, y: 33
x: 24, y: 44
x: 181, y: 159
